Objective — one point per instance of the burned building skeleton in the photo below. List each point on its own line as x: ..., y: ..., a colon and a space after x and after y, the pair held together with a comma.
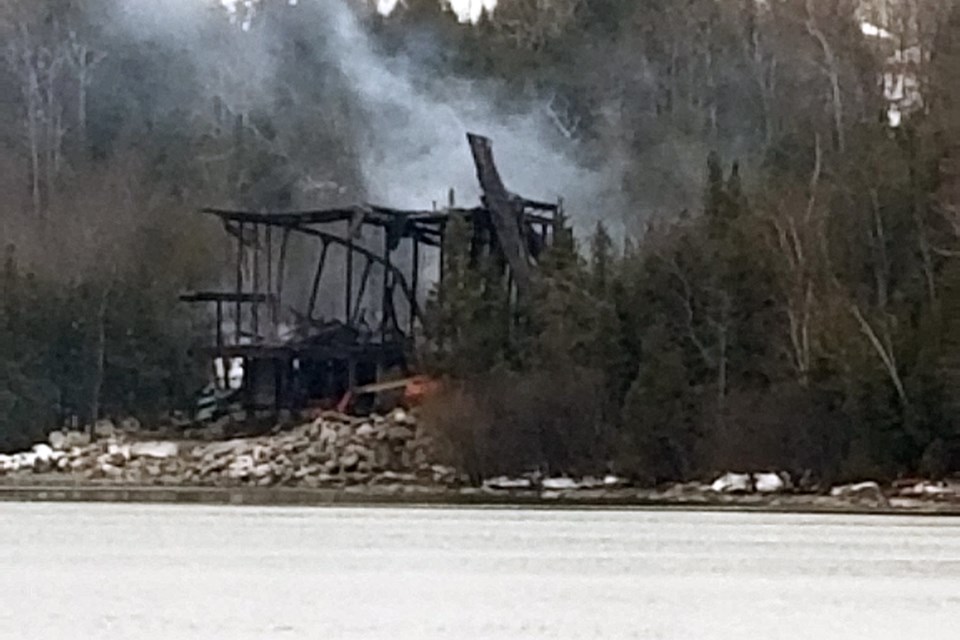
x: 318, y: 359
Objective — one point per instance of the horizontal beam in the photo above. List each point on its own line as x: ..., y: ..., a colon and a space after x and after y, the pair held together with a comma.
x: 370, y: 352
x: 288, y: 219
x: 372, y: 214
x: 537, y: 204
x: 220, y: 296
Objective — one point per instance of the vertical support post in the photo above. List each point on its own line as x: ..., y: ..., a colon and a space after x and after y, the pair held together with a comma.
x: 281, y: 270
x: 442, y: 267
x: 315, y: 291
x: 279, y: 393
x: 349, y: 286
x: 511, y: 318
x: 415, y: 278
x: 255, y: 300
x: 558, y: 219
x: 219, y: 325
x: 270, y: 308
x: 443, y: 251
x: 385, y: 302
x: 363, y: 287
x: 225, y: 367
x: 239, y: 308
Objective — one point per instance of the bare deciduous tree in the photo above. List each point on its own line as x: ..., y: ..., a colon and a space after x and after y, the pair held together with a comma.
x: 530, y: 24
x: 830, y: 66
x: 798, y: 242
x: 84, y: 60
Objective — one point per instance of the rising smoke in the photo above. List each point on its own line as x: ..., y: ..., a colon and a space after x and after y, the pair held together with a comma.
x: 409, y: 115
x: 414, y: 149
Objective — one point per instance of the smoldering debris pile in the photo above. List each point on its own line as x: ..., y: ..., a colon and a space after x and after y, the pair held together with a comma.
x: 332, y: 450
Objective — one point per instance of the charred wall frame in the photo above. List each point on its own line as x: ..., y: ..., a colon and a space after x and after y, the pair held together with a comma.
x: 344, y: 349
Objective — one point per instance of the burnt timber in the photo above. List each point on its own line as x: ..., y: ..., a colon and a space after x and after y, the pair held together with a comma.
x: 301, y: 352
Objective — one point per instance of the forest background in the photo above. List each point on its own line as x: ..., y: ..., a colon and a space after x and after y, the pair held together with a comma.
x: 766, y: 198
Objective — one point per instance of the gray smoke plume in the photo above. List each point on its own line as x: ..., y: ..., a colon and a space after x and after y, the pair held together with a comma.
x: 411, y: 116
x: 414, y: 147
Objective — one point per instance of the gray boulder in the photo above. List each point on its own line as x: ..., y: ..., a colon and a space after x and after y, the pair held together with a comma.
x: 158, y: 450
x: 349, y: 461
x: 103, y: 429
x: 400, y: 433
x: 57, y: 440
x: 76, y: 439
x: 861, y: 492
x: 732, y: 483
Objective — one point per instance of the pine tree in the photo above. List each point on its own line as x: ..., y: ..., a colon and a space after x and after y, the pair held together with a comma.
x: 468, y: 314
x: 601, y: 261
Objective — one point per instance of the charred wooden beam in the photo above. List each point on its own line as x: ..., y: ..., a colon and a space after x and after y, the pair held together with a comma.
x: 363, y: 288
x: 505, y: 211
x: 364, y: 353
x: 231, y: 296
x: 245, y: 237
x: 272, y: 310
x: 415, y: 277
x: 422, y: 223
x: 349, y: 286
x: 283, y: 219
x: 370, y: 255
x: 386, y: 292
x: 317, y: 276
x: 371, y: 214
x: 536, y: 204
x: 281, y: 273
x: 239, y: 289
x: 219, y: 324
x: 255, y: 306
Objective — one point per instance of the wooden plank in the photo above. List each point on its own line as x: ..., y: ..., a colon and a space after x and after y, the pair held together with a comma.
x: 505, y: 212
x: 231, y: 296
x: 370, y: 255
x: 317, y: 276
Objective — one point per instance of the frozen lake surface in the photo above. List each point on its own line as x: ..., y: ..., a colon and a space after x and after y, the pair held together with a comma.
x: 89, y: 571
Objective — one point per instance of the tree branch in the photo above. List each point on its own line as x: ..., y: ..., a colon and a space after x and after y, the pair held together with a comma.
x: 886, y: 356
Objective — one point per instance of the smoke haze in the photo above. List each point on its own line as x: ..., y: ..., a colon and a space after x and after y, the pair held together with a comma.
x: 409, y: 115
x: 414, y: 149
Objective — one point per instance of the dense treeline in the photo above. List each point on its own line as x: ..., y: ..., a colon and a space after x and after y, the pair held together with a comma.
x: 118, y: 120
x: 777, y: 288
x: 756, y: 333
x: 799, y: 316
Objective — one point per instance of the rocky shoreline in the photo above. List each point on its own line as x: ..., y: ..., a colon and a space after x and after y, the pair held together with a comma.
x: 332, y: 450
x: 337, y: 459
x: 438, y: 496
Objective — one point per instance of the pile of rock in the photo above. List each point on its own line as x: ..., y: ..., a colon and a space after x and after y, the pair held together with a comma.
x: 869, y: 493
x: 760, y: 482
x: 332, y: 450
x: 534, y: 482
